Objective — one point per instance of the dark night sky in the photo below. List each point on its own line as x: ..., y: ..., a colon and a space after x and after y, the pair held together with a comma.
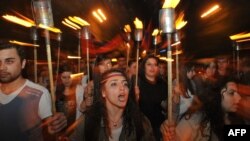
x: 200, y: 38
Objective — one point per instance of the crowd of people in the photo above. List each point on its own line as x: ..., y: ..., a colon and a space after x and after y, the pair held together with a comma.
x: 107, y: 104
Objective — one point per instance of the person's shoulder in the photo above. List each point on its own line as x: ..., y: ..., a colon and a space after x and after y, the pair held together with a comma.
x: 36, y: 86
x: 79, y: 131
x: 145, y: 121
x: 147, y: 127
x: 193, y: 121
x: 79, y: 86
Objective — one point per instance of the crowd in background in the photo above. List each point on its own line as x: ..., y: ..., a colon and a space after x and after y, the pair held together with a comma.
x: 108, y: 104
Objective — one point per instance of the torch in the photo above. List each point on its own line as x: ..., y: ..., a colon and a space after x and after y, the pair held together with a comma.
x: 79, y: 51
x: 236, y: 57
x: 166, y: 20
x: 176, y: 39
x: 86, y: 35
x: 138, y: 33
x: 179, y: 23
x: 127, y: 30
x: 59, y: 39
x: 240, y: 37
x: 34, y: 37
x: 154, y: 34
x: 237, y: 48
x: 43, y: 15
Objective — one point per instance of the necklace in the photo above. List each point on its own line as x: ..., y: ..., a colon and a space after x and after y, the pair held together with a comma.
x: 115, y: 123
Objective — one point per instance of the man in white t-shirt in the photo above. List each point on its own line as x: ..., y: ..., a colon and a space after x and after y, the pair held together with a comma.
x: 25, y: 107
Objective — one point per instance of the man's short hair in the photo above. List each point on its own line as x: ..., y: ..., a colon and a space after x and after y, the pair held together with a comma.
x: 4, y: 44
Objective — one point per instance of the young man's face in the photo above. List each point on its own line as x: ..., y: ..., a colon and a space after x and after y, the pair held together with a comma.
x: 10, y: 65
x: 222, y: 64
x: 163, y: 69
x: 122, y: 62
x: 105, y: 65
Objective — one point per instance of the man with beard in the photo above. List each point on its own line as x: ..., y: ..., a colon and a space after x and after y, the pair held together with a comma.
x: 25, y: 107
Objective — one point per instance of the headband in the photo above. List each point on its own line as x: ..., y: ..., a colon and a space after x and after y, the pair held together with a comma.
x: 111, y: 75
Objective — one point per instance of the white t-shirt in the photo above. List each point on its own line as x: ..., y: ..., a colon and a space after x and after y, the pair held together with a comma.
x: 45, y: 105
x: 185, y: 103
x: 79, y: 98
x: 115, y: 133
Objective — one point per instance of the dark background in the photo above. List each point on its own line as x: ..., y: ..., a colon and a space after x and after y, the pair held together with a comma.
x: 200, y: 37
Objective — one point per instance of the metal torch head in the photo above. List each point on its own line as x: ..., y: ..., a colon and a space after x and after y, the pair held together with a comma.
x: 86, y: 33
x: 138, y: 34
x: 166, y: 20
x: 43, y: 12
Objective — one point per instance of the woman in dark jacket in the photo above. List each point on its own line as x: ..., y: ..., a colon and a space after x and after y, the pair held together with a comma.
x: 153, y: 91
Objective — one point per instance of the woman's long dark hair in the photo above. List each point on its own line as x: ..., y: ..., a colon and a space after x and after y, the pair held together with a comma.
x: 96, y: 75
x: 143, y: 67
x: 132, y: 118
x: 185, y: 82
x: 60, y: 86
x: 211, y: 109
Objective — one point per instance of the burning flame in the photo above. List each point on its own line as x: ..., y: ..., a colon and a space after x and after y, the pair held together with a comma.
x: 176, y: 43
x: 19, y: 21
x: 177, y: 52
x: 101, y: 13
x: 180, y: 23
x: 127, y: 28
x: 28, y: 23
x: 23, y: 43
x: 74, y: 57
x: 138, y: 23
x: 166, y: 59
x: 240, y: 36
x: 71, y: 23
x: 68, y: 25
x: 155, y: 32
x: 170, y: 3
x: 85, y: 23
x: 79, y: 21
x: 76, y: 75
x: 53, y: 29
x: 75, y: 22
x: 210, y: 11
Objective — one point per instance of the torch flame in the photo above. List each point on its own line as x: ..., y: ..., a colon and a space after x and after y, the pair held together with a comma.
x: 79, y: 20
x: 180, y: 23
x: 240, y: 36
x: 170, y: 3
x: 138, y: 23
x: 155, y: 32
x: 166, y: 59
x: 23, y: 43
x: 210, y: 11
x: 76, y: 75
x: 127, y: 28
x: 29, y: 23
x: 19, y: 21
